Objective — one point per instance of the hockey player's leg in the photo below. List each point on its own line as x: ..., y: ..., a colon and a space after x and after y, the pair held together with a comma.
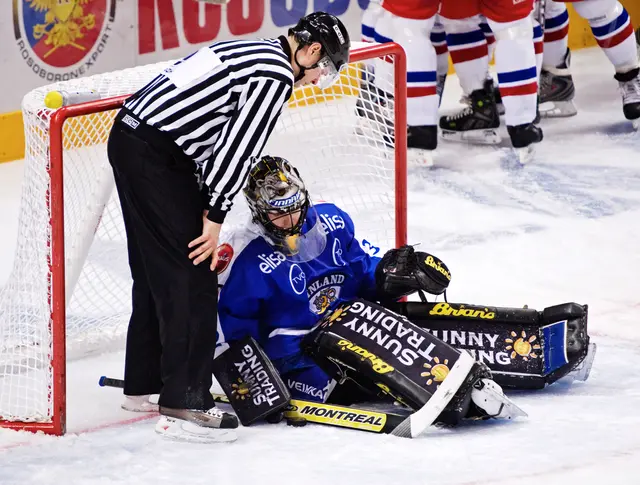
x: 439, y: 42
x: 369, y: 18
x: 517, y: 75
x: 537, y: 18
x: 556, y: 83
x: 368, y: 98
x: 375, y: 104
x: 611, y: 26
x: 478, y: 122
x: 489, y: 37
x: 538, y: 47
x: 469, y: 51
x: 422, y: 97
x: 490, y: 83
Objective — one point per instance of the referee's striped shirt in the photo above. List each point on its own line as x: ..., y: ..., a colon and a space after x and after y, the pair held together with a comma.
x: 220, y: 105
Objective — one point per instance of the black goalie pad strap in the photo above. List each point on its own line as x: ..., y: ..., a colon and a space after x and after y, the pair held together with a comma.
x: 524, y: 348
x: 376, y: 346
x: 252, y: 384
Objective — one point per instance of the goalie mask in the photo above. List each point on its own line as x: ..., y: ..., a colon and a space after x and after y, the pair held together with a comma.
x: 280, y: 206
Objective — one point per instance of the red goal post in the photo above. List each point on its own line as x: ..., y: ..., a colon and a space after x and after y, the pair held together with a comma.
x: 64, y: 139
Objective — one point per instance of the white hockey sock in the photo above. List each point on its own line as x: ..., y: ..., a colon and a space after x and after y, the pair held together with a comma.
x: 516, y: 66
x: 611, y: 26
x: 469, y: 52
x: 556, y: 34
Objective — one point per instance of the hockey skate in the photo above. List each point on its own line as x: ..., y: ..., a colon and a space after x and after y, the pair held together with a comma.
x: 523, y: 137
x: 489, y: 398
x: 477, y: 123
x: 629, y: 83
x: 140, y: 404
x: 421, y: 141
x: 490, y: 86
x: 557, y: 91
x: 212, y: 426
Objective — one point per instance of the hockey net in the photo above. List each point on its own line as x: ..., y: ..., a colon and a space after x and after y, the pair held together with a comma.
x: 70, y: 288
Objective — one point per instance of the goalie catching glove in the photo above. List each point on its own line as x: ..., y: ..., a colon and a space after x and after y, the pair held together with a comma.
x: 404, y: 271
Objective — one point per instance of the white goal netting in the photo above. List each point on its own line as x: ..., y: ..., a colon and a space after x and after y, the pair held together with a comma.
x: 340, y: 139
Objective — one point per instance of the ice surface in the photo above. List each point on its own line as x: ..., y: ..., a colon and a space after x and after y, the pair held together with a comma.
x: 565, y: 228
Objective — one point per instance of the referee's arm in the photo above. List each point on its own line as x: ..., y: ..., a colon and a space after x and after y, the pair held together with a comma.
x: 242, y: 138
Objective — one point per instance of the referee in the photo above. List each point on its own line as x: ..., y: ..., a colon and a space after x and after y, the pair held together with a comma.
x: 181, y: 149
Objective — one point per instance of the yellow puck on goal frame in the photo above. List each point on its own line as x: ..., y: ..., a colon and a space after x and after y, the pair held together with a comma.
x: 53, y: 100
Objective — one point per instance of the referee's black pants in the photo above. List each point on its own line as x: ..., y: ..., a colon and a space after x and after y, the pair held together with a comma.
x: 172, y: 331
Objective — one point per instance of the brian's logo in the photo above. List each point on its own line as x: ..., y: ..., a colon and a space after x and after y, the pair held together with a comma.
x: 62, y: 33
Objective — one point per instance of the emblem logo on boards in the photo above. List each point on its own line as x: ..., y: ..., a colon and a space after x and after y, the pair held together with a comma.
x: 55, y: 35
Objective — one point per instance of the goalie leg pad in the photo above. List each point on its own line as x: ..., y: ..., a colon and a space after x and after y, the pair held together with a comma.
x: 524, y: 348
x: 374, y: 346
x: 250, y: 381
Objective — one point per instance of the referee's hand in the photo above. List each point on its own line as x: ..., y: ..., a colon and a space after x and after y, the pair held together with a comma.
x: 206, y: 244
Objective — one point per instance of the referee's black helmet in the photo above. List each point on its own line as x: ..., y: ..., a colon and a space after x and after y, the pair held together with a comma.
x: 329, y: 31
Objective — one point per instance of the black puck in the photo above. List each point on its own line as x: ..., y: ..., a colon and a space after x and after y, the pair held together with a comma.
x: 297, y: 422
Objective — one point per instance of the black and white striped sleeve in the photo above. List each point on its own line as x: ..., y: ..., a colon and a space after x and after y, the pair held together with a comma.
x: 242, y: 138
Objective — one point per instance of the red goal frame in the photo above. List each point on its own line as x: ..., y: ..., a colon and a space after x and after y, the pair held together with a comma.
x: 56, y: 261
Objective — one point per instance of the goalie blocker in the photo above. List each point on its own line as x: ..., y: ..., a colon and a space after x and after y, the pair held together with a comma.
x: 383, y: 351
x: 253, y: 386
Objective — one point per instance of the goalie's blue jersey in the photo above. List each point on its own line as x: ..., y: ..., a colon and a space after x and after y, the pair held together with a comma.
x: 277, y: 301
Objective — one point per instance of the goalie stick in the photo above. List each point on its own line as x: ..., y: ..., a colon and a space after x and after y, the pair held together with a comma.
x: 404, y: 426
x: 320, y: 413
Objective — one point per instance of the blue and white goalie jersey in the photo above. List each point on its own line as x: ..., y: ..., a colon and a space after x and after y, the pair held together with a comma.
x: 278, y: 301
